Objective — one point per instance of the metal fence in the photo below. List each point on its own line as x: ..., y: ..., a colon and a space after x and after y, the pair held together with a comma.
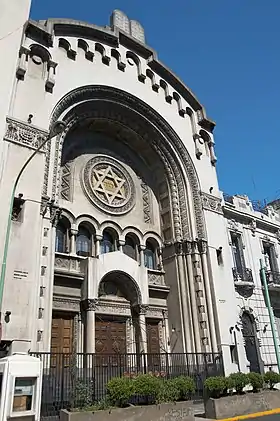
x: 73, y: 380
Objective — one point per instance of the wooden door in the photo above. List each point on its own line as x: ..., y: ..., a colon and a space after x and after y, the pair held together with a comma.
x: 110, y: 336
x: 153, y: 347
x: 62, y: 337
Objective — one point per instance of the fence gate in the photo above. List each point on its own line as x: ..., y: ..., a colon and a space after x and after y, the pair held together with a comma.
x: 76, y: 380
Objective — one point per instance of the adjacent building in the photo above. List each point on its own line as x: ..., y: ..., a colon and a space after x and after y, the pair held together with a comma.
x: 121, y: 240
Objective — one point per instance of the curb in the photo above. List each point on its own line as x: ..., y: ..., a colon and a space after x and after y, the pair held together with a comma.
x: 255, y: 415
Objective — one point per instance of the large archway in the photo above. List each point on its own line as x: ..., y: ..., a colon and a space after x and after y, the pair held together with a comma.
x: 114, y: 105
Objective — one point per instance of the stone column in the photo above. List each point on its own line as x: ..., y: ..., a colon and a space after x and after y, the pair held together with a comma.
x: 184, y: 299
x: 73, y: 236
x: 160, y: 263
x: 211, y: 320
x: 166, y: 329
x: 193, y: 298
x: 200, y: 297
x: 142, y: 311
x: 121, y: 244
x: 141, y: 254
x: 91, y: 305
x: 98, y: 239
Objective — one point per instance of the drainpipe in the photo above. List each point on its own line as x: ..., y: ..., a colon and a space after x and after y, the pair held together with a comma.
x: 270, y: 311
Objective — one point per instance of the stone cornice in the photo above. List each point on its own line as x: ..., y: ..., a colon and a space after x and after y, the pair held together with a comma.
x: 43, y: 32
x: 270, y: 226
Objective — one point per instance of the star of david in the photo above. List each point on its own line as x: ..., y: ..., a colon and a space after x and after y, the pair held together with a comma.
x: 109, y: 184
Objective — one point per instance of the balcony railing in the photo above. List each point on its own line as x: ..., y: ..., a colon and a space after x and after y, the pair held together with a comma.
x: 156, y: 277
x: 69, y: 264
x: 228, y: 198
x: 273, y: 277
x: 242, y: 275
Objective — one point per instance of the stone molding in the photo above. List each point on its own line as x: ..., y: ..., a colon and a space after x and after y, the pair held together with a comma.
x: 68, y: 264
x: 24, y: 134
x: 211, y: 203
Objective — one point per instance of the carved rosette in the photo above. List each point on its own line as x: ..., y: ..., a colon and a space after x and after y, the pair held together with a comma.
x: 108, y: 185
x: 24, y: 134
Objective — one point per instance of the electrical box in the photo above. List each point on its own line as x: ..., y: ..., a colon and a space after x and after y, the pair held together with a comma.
x: 20, y: 388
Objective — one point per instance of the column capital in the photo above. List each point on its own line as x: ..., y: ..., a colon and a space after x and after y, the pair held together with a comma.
x: 202, y: 246
x: 142, y: 247
x: 142, y: 308
x: 98, y: 237
x: 73, y: 231
x: 90, y: 304
x: 165, y: 313
x: 121, y: 242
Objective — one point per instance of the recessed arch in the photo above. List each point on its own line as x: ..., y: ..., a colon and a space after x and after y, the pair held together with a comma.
x: 126, y: 283
x: 166, y: 143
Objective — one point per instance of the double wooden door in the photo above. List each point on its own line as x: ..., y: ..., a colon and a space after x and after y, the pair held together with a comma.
x: 110, y: 336
x: 62, y: 338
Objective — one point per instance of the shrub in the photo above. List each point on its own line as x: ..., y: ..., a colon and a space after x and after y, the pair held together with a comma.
x: 148, y: 386
x: 82, y: 394
x: 256, y: 381
x: 120, y: 390
x: 271, y: 378
x: 168, y: 392
x: 185, y: 386
x: 215, y: 386
x: 237, y: 381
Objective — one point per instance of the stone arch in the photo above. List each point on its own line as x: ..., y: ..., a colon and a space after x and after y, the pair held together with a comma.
x: 166, y: 143
x: 128, y: 286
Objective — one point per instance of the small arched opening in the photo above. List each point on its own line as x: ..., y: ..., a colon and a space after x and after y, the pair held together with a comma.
x: 84, y: 240
x: 62, y: 237
x: 150, y: 254
x: 131, y: 246
x: 109, y: 242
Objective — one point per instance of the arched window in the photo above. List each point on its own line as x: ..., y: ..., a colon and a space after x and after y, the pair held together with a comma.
x: 150, y: 256
x: 61, y: 238
x: 83, y: 244
x: 130, y: 248
x: 108, y: 243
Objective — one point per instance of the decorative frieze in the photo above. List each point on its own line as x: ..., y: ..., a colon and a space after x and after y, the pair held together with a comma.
x: 64, y: 303
x: 146, y: 203
x: 24, y: 134
x: 114, y: 308
x: 211, y: 203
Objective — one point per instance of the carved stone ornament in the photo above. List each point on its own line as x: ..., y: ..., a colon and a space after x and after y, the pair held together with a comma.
x: 61, y: 303
x: 108, y: 185
x: 253, y: 227
x: 277, y: 235
x: 233, y: 225
x: 211, y: 203
x: 155, y: 279
x: 24, y: 134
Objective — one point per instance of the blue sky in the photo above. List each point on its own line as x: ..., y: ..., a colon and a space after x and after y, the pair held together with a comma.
x: 228, y: 53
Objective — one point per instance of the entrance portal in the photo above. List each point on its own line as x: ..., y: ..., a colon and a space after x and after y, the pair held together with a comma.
x: 251, y: 342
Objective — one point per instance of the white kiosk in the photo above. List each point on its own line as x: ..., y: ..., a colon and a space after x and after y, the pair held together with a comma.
x: 20, y: 388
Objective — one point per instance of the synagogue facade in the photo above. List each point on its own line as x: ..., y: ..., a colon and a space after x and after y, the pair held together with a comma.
x: 120, y: 234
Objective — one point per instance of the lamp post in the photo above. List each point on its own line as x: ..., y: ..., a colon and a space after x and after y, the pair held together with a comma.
x: 56, y: 129
x: 270, y: 312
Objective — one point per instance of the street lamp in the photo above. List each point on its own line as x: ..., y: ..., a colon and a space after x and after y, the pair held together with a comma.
x: 57, y: 128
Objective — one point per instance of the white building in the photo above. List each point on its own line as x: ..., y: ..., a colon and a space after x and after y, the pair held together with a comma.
x: 119, y: 239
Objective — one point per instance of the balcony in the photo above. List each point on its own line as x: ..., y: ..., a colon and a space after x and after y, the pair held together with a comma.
x: 156, y: 281
x: 273, y: 278
x: 243, y: 281
x: 70, y: 265
x: 242, y: 275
